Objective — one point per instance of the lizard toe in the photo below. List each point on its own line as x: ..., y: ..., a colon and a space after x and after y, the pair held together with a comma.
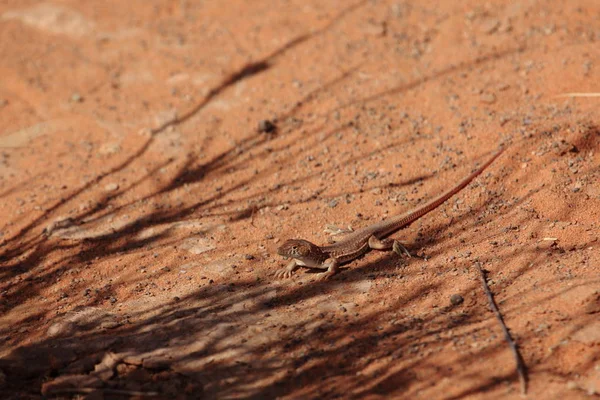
x: 322, y: 276
x: 399, y: 249
x: 283, y: 274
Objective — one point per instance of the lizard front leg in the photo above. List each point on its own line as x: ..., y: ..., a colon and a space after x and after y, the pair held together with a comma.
x: 287, y: 271
x: 332, y: 268
x: 387, y: 244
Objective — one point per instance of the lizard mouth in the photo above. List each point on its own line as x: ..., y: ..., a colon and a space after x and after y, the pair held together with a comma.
x: 281, y: 252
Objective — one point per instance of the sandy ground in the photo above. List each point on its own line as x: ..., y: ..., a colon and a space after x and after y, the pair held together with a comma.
x: 142, y: 206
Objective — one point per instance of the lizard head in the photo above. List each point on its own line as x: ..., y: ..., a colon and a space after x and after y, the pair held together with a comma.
x: 298, y: 249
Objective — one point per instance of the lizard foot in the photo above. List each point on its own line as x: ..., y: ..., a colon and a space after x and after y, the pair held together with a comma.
x: 399, y: 249
x: 287, y: 271
x: 283, y: 273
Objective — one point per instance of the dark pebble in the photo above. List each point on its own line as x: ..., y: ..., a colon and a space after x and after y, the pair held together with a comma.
x: 266, y: 126
x: 456, y: 299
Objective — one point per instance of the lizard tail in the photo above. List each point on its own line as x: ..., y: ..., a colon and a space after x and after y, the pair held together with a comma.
x: 409, y: 218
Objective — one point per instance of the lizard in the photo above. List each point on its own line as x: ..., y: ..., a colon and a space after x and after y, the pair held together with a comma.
x: 373, y: 237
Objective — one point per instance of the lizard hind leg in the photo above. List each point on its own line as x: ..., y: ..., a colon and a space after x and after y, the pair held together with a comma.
x: 388, y: 244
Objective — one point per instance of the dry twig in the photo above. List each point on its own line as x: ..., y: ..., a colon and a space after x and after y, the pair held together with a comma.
x: 521, y: 369
x: 578, y: 95
x: 85, y: 390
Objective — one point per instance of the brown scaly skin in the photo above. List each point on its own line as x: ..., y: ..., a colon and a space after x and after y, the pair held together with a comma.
x: 374, y: 237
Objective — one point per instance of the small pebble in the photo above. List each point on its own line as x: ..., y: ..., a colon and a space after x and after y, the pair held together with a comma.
x: 487, y: 98
x: 111, y: 187
x: 110, y: 324
x: 248, y: 256
x: 504, y: 120
x: 333, y: 203
x: 490, y: 25
x: 76, y: 98
x: 375, y: 29
x: 456, y: 299
x: 266, y: 126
